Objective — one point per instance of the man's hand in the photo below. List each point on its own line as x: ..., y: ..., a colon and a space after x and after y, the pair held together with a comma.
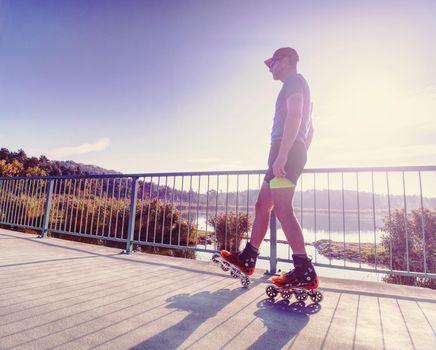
x: 279, y: 167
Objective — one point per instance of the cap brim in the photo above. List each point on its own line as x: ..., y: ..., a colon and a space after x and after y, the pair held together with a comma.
x: 268, y: 62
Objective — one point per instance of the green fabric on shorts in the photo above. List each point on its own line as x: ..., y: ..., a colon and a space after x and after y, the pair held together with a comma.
x: 277, y: 182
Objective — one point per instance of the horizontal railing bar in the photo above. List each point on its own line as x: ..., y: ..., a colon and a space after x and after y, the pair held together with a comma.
x: 20, y: 225
x: 235, y: 172
x: 173, y: 246
x: 88, y: 236
x: 371, y: 169
x: 200, y: 173
x: 390, y: 272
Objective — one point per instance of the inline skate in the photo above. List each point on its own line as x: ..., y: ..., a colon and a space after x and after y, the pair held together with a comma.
x: 302, y: 282
x: 240, y: 264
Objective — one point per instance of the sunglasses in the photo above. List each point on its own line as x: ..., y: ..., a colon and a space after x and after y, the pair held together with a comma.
x: 273, y: 62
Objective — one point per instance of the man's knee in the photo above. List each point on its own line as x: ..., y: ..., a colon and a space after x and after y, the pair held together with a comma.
x: 263, y: 206
x: 282, y: 211
x: 283, y: 208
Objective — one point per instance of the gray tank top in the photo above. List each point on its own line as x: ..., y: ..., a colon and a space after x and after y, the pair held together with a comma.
x: 294, y: 84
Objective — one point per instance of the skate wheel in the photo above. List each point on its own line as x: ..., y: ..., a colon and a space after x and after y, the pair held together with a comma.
x: 301, y: 295
x: 316, y: 297
x: 286, y: 294
x: 225, y: 266
x: 271, y: 292
x: 215, y: 258
x: 234, y: 273
x: 245, y: 281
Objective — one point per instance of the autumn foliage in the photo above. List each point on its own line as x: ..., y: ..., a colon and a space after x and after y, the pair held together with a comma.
x: 230, y: 229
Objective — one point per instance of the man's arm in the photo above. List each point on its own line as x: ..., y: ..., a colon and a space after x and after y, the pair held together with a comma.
x: 309, y: 136
x: 294, y: 106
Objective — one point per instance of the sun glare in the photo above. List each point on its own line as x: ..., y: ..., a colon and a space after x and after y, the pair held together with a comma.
x: 364, y: 104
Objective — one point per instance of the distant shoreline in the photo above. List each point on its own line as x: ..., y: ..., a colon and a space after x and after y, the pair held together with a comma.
x: 353, y: 252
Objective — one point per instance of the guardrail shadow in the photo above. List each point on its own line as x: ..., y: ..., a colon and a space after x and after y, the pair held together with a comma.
x: 201, y: 306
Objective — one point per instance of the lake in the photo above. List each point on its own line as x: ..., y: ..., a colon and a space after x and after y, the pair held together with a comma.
x: 321, y: 228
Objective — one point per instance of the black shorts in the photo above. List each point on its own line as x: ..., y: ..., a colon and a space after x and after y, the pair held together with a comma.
x: 297, y: 158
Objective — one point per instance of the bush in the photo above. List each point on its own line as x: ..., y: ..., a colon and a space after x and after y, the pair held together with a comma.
x: 401, y: 230
x: 108, y: 217
x: 230, y: 229
x: 163, y: 223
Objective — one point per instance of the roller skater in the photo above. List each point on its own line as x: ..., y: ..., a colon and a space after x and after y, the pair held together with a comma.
x: 291, y: 137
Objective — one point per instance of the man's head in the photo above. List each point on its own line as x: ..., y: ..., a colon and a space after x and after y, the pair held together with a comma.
x: 283, y: 62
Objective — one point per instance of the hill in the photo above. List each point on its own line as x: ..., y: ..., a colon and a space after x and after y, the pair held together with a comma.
x: 19, y: 164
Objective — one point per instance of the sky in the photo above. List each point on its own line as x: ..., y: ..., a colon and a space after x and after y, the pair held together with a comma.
x: 157, y: 86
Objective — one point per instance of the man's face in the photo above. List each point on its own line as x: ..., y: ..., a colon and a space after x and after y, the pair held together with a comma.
x: 276, y: 68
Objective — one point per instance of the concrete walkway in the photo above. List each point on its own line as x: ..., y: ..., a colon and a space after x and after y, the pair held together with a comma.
x: 57, y: 294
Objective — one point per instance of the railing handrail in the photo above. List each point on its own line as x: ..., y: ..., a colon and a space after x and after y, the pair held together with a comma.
x: 231, y: 172
x: 405, y: 168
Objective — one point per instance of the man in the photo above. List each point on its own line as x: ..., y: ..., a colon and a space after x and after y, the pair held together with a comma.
x: 290, y: 138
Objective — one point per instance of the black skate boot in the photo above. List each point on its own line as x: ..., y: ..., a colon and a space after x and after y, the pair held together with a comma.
x: 301, y: 281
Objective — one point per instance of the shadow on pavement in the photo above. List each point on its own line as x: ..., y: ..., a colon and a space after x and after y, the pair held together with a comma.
x: 283, y: 321
x: 201, y: 306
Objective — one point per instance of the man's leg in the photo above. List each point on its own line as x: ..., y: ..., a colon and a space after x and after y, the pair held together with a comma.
x: 246, y: 260
x: 283, y: 208
x: 264, y: 205
x: 303, y: 273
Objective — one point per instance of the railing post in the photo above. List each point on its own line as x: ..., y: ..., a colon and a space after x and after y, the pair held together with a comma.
x: 273, y: 243
x: 132, y: 216
x: 48, y: 198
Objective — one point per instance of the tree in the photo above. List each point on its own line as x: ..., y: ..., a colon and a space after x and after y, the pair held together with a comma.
x: 56, y: 169
x: 2, y: 166
x: 35, y: 171
x: 20, y: 156
x: 11, y: 169
x: 32, y: 162
x: 4, y: 154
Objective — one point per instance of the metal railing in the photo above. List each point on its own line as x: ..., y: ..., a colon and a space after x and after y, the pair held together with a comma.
x: 338, y: 209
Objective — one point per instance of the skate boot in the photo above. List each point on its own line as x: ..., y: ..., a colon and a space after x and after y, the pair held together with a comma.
x: 302, y: 281
x: 241, y: 264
